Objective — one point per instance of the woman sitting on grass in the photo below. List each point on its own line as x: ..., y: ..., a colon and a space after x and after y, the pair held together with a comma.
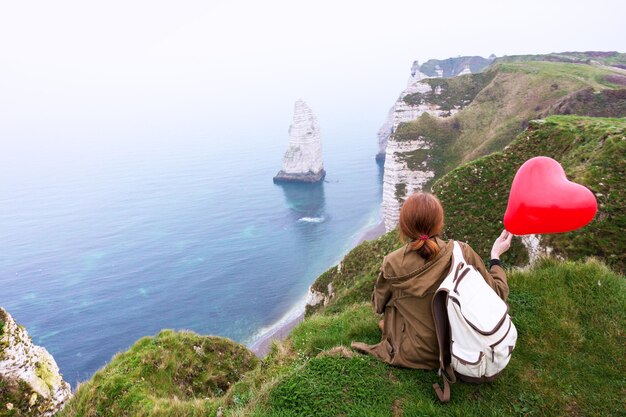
x: 409, y: 278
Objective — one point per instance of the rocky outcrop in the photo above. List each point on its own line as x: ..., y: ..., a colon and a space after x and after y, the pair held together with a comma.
x: 535, y: 249
x: 398, y: 180
x: 303, y: 159
x: 317, y: 298
x: 30, y: 382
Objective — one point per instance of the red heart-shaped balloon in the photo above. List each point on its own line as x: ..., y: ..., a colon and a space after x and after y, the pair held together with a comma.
x: 542, y: 200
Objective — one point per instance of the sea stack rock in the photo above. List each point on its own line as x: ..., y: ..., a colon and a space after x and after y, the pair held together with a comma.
x: 303, y: 159
x: 30, y: 382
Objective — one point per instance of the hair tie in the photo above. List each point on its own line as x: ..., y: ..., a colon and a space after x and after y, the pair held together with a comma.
x: 424, y: 237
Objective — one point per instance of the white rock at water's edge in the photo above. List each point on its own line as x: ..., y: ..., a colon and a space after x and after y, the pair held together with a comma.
x: 303, y: 159
x: 23, y: 362
x: 315, y: 298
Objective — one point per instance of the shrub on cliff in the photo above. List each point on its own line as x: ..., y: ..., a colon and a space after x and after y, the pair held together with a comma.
x: 171, y: 374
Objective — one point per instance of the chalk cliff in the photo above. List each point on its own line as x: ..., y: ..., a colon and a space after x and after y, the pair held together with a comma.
x: 30, y: 382
x: 398, y: 180
x: 303, y: 159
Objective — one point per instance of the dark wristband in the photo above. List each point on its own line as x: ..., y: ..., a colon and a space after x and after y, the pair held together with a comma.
x: 493, y: 262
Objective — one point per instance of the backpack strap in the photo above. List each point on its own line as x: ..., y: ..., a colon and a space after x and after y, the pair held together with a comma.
x: 442, y: 326
x: 457, y: 256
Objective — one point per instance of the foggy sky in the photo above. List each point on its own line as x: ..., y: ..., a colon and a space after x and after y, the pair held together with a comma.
x: 108, y: 74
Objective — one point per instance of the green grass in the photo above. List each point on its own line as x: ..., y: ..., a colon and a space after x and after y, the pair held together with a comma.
x: 171, y: 374
x: 604, y: 58
x: 324, y: 331
x: 554, y: 71
x: 592, y: 152
x: 569, y: 359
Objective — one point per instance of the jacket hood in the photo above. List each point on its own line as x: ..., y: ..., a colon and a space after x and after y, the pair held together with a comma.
x: 403, y: 269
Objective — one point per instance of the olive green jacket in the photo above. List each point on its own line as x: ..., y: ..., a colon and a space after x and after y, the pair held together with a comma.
x: 404, y: 291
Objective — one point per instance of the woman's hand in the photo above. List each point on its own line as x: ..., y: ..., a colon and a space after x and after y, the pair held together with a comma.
x: 501, y: 245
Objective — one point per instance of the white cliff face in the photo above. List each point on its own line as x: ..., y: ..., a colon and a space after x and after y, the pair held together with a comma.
x: 397, y: 174
x: 401, y: 112
x: 31, y: 371
x: 398, y: 180
x: 303, y: 159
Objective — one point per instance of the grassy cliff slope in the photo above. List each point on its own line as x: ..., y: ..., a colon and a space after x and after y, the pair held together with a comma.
x: 593, y: 153
x: 172, y: 374
x: 611, y: 58
x: 569, y: 359
x: 497, y: 104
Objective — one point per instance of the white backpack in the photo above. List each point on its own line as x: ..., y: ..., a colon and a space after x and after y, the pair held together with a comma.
x: 474, y: 330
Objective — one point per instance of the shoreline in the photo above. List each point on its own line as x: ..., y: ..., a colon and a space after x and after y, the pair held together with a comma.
x: 261, y: 345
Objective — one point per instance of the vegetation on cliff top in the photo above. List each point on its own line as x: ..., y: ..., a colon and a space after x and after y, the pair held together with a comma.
x: 172, y: 374
x: 593, y: 153
x: 612, y: 58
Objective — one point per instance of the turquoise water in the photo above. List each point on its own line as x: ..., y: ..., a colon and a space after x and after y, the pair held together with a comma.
x: 97, y: 255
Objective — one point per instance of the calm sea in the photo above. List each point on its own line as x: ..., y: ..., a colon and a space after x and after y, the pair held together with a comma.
x: 94, y: 257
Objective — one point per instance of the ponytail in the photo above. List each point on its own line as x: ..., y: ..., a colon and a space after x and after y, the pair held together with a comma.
x: 421, y: 219
x: 427, y: 248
